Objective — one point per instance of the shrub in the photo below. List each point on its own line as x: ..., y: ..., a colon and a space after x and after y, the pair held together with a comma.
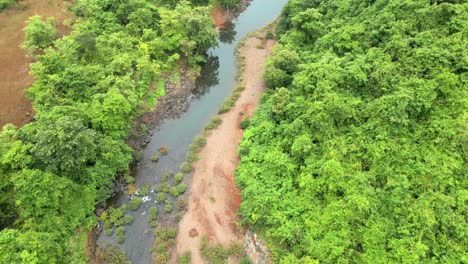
x: 168, y: 207
x: 163, y: 187
x: 155, y: 158
x: 186, y: 167
x: 135, y: 203
x: 186, y: 258
x: 214, y: 123
x: 108, y: 228
x: 167, y: 175
x: 181, y: 188
x: 269, y: 35
x: 179, y: 177
x: 245, y: 260
x: 145, y: 190
x: 161, y: 197
x: 245, y: 123
x: 38, y: 34
x: 153, y: 214
x: 120, y: 232
x: 181, y: 203
x: 128, y: 219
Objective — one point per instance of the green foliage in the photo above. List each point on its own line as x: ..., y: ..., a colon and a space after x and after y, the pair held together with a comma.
x: 179, y: 177
x: 4, y: 4
x: 161, y: 197
x: 38, y: 34
x: 245, y: 260
x: 164, y: 240
x: 168, y: 207
x: 357, y: 153
x: 214, y: 123
x: 113, y: 255
x: 186, y: 258
x: 216, y: 254
x: 90, y: 85
x: 153, y: 214
x: 230, y: 4
x: 231, y: 100
x: 145, y: 190
x: 245, y: 123
x: 120, y: 232
x: 135, y: 203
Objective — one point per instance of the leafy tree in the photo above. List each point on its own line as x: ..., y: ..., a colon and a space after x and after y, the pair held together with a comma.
x: 39, y: 34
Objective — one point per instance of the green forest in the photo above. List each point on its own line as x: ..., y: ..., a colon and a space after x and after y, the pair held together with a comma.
x: 89, y: 86
x: 359, y: 150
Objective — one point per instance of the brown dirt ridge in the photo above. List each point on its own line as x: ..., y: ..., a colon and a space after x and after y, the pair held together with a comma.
x: 214, y: 199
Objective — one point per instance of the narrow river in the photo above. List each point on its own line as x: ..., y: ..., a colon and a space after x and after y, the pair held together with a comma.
x: 213, y: 86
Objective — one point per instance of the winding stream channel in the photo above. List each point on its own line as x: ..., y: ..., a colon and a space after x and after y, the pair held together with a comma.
x: 215, y: 84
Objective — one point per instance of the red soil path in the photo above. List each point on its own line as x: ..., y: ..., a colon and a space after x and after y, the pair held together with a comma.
x: 214, y: 199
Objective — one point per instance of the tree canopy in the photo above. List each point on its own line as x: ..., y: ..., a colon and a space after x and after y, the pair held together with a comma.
x: 358, y: 151
x: 89, y: 87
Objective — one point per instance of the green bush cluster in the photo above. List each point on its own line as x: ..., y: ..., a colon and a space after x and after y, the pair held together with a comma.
x: 164, y: 240
x: 216, y: 254
x: 231, y: 100
x: 4, y: 4
x: 357, y: 152
x: 135, y: 203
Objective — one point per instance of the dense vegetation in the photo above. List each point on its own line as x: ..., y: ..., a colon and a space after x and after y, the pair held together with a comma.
x: 89, y: 87
x: 4, y: 4
x: 358, y: 152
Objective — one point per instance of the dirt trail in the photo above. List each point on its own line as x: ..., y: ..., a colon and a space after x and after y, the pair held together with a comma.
x: 14, y: 64
x: 214, y: 198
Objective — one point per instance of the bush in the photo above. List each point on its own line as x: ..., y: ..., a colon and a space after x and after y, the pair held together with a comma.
x: 186, y: 167
x: 167, y: 175
x: 163, y: 187
x: 214, y: 123
x: 269, y: 35
x: 4, y: 4
x: 38, y: 34
x: 179, y: 177
x: 186, y: 258
x: 245, y: 260
x: 108, y: 228
x: 135, y: 203
x: 128, y: 219
x: 181, y: 188
x: 245, y: 123
x: 153, y: 214
x: 145, y: 190
x: 181, y: 203
x: 155, y: 158
x: 161, y: 197
x: 120, y: 232
x: 168, y: 207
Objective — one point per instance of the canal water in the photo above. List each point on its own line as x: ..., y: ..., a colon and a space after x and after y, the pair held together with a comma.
x: 216, y: 82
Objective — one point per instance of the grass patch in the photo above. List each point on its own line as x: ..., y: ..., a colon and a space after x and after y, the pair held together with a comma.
x: 231, y: 100
x: 155, y: 158
x: 214, y: 123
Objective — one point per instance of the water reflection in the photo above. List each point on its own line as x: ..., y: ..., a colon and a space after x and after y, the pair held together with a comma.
x: 227, y: 33
x: 209, y: 76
